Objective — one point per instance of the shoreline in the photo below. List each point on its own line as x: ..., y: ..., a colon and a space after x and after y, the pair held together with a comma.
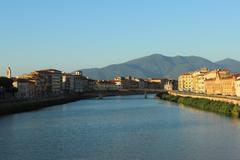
x: 31, y: 105
x: 203, y: 103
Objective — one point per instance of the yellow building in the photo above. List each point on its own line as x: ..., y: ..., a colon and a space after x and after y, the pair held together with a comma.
x: 198, y: 80
x: 185, y: 82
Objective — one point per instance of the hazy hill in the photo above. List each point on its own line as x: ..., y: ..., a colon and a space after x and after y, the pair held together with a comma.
x: 230, y: 63
x: 158, y: 65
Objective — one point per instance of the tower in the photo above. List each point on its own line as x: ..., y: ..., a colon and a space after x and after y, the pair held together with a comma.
x: 8, y: 72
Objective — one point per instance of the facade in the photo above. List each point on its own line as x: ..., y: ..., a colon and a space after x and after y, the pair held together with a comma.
x: 237, y: 86
x: 223, y: 84
x: 91, y: 85
x: 156, y: 83
x: 82, y: 83
x: 47, y: 82
x: 203, y: 81
x: 126, y: 82
x: 228, y: 86
x: 106, y: 86
x: 67, y: 83
x: 53, y: 80
x: 39, y: 81
x: 25, y: 88
x: 198, y: 78
x: 185, y: 82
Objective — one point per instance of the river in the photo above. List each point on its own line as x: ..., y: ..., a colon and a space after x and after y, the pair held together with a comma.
x: 119, y: 128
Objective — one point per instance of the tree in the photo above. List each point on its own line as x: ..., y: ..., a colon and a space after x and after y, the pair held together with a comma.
x: 6, y: 82
x: 6, y: 86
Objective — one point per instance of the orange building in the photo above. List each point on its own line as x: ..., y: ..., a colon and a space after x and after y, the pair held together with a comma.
x: 221, y: 85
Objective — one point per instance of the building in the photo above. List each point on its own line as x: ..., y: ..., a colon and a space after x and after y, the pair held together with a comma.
x: 82, y: 83
x: 237, y: 86
x: 67, y: 83
x: 214, y: 81
x: 53, y: 80
x: 185, y: 82
x: 25, y: 88
x: 171, y: 85
x: 126, y: 82
x: 228, y: 86
x: 222, y: 84
x: 102, y: 85
x: 40, y: 82
x: 198, y: 78
x: 156, y: 83
x: 8, y: 72
x: 48, y: 82
x: 214, y: 73
x: 168, y: 86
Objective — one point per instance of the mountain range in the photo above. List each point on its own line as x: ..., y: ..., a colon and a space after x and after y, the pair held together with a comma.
x: 158, y: 65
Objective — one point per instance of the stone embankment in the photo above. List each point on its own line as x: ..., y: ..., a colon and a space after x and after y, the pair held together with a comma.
x: 227, y: 99
x: 35, y: 104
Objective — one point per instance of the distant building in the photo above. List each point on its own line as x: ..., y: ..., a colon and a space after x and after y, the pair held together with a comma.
x: 82, y: 83
x: 156, y: 83
x: 168, y: 86
x: 171, y: 85
x: 128, y: 82
x: 102, y: 85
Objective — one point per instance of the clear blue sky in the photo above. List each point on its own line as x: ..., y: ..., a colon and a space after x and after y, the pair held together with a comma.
x: 75, y: 34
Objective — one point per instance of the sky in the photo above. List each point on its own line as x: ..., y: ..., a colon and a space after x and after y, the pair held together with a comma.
x: 76, y: 34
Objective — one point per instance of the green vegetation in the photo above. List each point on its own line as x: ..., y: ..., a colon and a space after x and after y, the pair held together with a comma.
x: 203, y: 104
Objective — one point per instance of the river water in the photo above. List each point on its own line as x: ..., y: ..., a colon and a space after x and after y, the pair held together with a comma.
x: 119, y: 128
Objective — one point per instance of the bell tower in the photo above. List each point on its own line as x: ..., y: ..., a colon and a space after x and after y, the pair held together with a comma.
x: 8, y: 72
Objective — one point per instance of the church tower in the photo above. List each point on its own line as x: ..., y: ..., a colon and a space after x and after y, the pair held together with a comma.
x: 8, y: 72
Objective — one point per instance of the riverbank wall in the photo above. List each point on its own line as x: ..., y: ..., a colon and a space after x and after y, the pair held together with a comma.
x: 227, y: 99
x: 222, y: 105
x: 35, y: 104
